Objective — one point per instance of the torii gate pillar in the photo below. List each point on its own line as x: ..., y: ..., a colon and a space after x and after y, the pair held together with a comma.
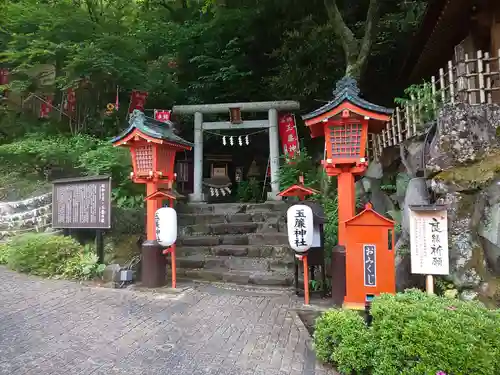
x: 271, y: 123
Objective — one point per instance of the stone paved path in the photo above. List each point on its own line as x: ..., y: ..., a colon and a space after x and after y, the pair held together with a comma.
x: 60, y: 327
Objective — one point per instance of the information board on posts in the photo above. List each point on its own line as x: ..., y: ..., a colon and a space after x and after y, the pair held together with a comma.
x: 82, y: 203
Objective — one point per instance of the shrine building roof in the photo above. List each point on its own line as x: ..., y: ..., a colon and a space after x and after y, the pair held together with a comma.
x: 151, y: 128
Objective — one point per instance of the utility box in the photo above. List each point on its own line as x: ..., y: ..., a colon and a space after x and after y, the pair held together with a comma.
x: 369, y: 258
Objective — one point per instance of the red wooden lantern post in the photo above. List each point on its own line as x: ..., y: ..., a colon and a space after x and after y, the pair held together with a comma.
x: 345, y: 122
x: 153, y: 146
x: 300, y: 191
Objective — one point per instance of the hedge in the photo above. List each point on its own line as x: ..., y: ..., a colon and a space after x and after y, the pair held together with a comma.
x: 412, y: 334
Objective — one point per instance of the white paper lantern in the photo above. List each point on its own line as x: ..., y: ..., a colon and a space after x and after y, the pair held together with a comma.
x: 166, y: 226
x: 300, y: 225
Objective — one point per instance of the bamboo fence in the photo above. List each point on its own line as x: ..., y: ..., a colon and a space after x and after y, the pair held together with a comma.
x: 472, y: 80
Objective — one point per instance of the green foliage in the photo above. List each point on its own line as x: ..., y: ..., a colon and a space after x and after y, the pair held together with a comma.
x: 425, y: 101
x: 330, y: 228
x: 341, y: 338
x: 50, y: 256
x: 83, y: 266
x: 249, y: 191
x: 301, y: 164
x: 412, y: 333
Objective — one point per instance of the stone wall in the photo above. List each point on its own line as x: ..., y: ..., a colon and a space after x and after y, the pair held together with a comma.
x: 457, y: 163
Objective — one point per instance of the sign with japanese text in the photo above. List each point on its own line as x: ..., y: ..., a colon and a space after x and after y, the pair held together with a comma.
x: 429, y: 240
x: 137, y: 100
x: 45, y: 107
x: 4, y: 76
x: 162, y: 115
x: 70, y: 103
x: 370, y: 266
x: 300, y: 227
x: 83, y: 203
x: 288, y: 135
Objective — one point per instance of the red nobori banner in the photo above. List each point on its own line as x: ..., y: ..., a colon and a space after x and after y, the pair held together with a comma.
x: 70, y: 104
x: 4, y: 76
x: 288, y: 135
x: 137, y: 100
x: 162, y: 115
x: 45, y: 107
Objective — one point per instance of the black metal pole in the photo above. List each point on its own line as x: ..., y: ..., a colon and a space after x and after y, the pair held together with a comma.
x: 99, y: 245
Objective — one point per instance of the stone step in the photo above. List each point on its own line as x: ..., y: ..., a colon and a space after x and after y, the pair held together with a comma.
x: 219, y: 218
x: 270, y: 278
x: 253, y: 251
x: 230, y: 208
x: 223, y: 228
x: 238, y: 239
x: 241, y: 263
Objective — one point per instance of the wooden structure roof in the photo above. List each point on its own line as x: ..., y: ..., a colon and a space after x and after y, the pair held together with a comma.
x: 444, y: 25
x: 153, y: 130
x: 346, y: 96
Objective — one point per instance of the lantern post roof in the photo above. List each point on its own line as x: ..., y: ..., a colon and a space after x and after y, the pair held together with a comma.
x: 347, y: 91
x: 370, y: 217
x: 152, y: 129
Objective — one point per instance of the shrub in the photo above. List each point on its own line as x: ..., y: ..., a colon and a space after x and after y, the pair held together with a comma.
x: 341, y: 338
x: 412, y: 334
x: 50, y: 256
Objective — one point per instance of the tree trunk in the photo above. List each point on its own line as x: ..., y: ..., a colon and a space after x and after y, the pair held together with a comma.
x: 356, y: 51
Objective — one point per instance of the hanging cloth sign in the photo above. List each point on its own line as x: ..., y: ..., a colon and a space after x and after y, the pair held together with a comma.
x: 162, y: 115
x: 70, y: 104
x: 137, y: 100
x: 45, y: 107
x: 288, y: 135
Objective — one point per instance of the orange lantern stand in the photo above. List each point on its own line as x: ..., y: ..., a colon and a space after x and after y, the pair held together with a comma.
x: 370, y: 257
x: 300, y: 191
x: 345, y: 122
x: 153, y: 146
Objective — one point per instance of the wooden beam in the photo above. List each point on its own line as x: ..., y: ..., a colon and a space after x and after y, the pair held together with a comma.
x: 284, y: 105
x: 253, y: 124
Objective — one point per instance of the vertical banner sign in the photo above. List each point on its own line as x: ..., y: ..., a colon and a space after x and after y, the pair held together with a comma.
x: 70, y: 104
x: 429, y: 241
x: 288, y: 135
x: 4, y: 76
x: 45, y: 107
x: 369, y: 259
x: 162, y: 115
x: 137, y: 100
x: 4, y: 80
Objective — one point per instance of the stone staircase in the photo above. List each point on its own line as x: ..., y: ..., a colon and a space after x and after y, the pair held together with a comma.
x: 234, y: 242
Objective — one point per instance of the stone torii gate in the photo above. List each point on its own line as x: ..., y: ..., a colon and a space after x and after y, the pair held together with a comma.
x: 235, y: 109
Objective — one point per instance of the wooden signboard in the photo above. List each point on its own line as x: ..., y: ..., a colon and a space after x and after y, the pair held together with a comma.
x: 82, y: 203
x: 370, y: 266
x: 429, y: 240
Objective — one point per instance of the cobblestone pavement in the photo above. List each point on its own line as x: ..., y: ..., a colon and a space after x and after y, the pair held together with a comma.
x: 60, y: 327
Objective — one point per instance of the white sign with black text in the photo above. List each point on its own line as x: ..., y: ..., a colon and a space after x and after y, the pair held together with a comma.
x: 300, y: 225
x: 429, y: 242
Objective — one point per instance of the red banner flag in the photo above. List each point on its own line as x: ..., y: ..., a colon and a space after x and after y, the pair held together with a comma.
x: 45, y: 107
x: 137, y: 100
x: 162, y: 115
x: 4, y: 76
x: 70, y: 104
x: 288, y: 135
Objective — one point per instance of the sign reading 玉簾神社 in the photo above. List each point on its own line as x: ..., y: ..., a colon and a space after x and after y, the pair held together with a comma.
x: 429, y: 240
x: 300, y: 227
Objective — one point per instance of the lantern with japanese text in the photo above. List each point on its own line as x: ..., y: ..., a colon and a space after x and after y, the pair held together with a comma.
x: 345, y: 122
x: 153, y: 146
